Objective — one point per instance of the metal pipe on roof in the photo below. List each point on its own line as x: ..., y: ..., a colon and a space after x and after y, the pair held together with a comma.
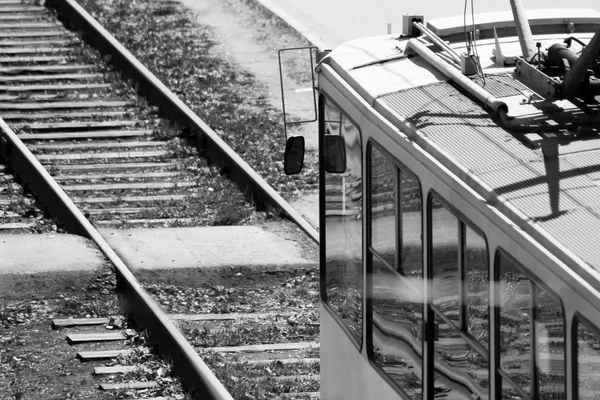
x: 499, y: 108
x: 456, y: 75
x: 523, y: 29
x: 437, y: 40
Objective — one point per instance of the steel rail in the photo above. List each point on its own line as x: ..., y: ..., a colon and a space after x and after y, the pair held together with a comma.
x: 207, y: 140
x: 198, y: 379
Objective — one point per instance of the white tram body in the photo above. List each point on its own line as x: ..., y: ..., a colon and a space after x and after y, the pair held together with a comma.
x: 460, y: 246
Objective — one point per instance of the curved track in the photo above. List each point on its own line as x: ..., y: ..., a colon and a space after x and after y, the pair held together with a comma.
x: 85, y: 139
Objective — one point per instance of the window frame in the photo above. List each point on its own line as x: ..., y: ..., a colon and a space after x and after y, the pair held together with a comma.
x: 399, y: 168
x: 578, y: 319
x: 537, y: 284
x: 323, y: 292
x: 462, y: 223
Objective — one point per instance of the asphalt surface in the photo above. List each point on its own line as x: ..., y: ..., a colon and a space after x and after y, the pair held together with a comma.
x: 333, y: 22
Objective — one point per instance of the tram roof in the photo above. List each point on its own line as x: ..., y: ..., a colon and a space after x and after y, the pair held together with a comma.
x: 547, y: 183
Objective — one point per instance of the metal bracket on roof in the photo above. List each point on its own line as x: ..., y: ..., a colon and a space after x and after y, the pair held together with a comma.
x: 537, y: 80
x: 408, y: 28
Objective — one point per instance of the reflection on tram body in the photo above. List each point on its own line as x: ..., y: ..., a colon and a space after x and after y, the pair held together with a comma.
x: 343, y: 211
x: 530, y: 330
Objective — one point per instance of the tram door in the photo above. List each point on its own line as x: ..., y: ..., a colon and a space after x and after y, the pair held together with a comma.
x: 342, y: 182
x: 396, y: 268
x: 458, y: 336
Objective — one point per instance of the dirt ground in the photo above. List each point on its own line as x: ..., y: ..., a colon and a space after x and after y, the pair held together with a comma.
x: 250, y: 36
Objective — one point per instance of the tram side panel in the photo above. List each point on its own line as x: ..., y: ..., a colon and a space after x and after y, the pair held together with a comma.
x: 345, y: 369
x: 519, y: 319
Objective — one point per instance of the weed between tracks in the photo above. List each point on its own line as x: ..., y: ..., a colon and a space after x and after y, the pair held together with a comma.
x: 22, y: 207
x: 241, y: 294
x: 250, y: 382
x: 240, y: 333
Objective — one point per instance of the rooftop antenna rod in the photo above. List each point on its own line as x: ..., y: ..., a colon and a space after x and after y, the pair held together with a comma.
x: 523, y: 29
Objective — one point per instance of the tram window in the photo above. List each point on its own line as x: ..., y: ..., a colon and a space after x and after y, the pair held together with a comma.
x: 459, y: 277
x: 397, y: 285
x: 531, y: 323
x: 477, y: 287
x: 444, y: 260
x: 383, y: 207
x: 515, y: 324
x: 411, y: 249
x: 397, y: 314
x: 588, y: 361
x: 550, y: 346
x: 343, y: 277
x: 458, y: 361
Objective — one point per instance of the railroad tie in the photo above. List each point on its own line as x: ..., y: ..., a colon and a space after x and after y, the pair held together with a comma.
x: 69, y: 322
x: 56, y: 87
x: 300, y: 395
x: 284, y: 361
x: 128, y: 385
x: 291, y: 378
x: 76, y: 338
x: 17, y: 225
x: 67, y: 114
x: 30, y: 25
x: 84, y: 356
x: 115, y: 369
x: 85, y: 135
x: 266, y: 347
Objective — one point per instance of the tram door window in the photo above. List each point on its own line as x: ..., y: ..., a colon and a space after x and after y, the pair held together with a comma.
x: 477, y: 284
x: 411, y: 247
x: 343, y: 224
x: 588, y: 361
x: 549, y: 343
x: 395, y: 250
x: 460, y: 306
x: 531, y: 337
x: 383, y: 208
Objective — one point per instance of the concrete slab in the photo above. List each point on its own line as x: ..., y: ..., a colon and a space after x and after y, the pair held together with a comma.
x: 308, y: 207
x: 32, y: 254
x: 204, y: 248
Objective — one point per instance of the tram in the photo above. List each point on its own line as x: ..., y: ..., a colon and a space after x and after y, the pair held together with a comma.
x: 460, y: 209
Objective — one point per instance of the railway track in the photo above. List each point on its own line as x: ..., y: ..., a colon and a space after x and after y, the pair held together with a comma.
x: 79, y: 345
x: 258, y: 332
x: 108, y: 149
x: 124, y: 165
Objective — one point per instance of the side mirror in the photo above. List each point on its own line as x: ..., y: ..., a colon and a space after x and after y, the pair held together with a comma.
x: 294, y: 155
x: 335, y: 154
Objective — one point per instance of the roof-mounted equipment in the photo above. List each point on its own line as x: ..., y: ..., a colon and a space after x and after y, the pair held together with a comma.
x: 558, y: 73
x: 408, y: 28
